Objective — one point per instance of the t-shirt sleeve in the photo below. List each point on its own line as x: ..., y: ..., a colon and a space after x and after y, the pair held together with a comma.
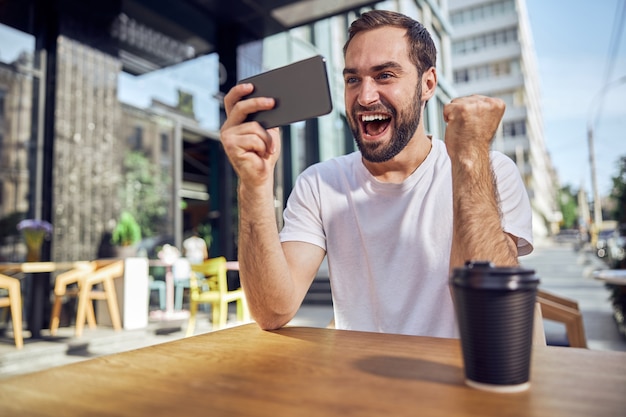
x: 302, y: 216
x: 514, y: 202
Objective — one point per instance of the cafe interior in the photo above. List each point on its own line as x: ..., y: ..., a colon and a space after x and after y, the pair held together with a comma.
x: 240, y: 370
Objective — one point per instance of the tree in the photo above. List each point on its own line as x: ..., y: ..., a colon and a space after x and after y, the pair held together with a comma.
x: 569, y: 207
x: 618, y: 193
x: 145, y: 193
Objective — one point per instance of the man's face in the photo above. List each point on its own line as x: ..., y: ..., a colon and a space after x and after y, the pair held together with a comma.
x: 382, y: 93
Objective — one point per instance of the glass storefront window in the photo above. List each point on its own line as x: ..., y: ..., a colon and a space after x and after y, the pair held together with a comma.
x: 196, y: 81
x: 171, y: 116
x: 16, y: 133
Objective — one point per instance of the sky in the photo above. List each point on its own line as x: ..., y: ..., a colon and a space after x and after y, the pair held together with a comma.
x: 571, y: 39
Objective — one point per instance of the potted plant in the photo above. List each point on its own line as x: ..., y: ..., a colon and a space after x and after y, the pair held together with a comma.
x: 132, y: 288
x: 126, y: 235
x: 34, y: 231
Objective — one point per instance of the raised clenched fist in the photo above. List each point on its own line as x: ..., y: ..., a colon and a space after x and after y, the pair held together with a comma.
x: 472, y: 123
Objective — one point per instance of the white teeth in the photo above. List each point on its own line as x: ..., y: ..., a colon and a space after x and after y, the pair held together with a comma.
x: 372, y: 117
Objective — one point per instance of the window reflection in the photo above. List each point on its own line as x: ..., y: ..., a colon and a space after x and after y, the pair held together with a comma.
x: 16, y: 83
x: 172, y: 116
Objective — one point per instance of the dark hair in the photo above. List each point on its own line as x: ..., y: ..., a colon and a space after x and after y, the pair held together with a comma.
x: 422, y: 50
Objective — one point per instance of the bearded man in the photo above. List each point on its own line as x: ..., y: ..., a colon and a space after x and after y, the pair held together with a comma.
x: 395, y: 217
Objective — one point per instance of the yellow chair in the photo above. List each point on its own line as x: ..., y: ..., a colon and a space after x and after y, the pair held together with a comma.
x: 14, y: 301
x: 94, y: 273
x: 62, y: 290
x: 213, y: 289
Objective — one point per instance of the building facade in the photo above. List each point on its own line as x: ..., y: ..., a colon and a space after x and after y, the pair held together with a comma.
x: 155, y: 162
x: 87, y: 149
x: 493, y: 55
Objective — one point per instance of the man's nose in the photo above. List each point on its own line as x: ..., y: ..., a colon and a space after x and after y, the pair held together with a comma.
x: 368, y: 94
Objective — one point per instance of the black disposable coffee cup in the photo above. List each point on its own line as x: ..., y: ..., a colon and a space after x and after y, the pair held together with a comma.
x: 495, y: 308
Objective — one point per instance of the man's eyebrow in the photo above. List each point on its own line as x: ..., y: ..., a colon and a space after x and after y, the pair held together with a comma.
x: 376, y: 68
x: 387, y: 65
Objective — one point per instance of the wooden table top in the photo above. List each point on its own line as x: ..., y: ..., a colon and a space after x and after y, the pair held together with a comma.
x: 35, y: 267
x: 299, y: 371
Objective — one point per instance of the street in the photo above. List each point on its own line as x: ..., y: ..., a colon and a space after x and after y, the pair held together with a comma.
x: 568, y: 273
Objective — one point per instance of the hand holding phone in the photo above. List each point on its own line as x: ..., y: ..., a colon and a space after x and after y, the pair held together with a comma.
x: 300, y: 91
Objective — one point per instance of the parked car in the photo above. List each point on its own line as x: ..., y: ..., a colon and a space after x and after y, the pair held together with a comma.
x: 616, y: 248
x: 601, y: 249
x: 567, y: 236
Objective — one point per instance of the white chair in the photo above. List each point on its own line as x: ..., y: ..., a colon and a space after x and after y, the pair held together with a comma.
x: 181, y: 270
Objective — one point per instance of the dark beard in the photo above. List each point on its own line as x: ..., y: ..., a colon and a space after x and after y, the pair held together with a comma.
x: 404, y: 128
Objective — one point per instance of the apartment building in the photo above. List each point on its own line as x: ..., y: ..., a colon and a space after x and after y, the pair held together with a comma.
x: 493, y: 54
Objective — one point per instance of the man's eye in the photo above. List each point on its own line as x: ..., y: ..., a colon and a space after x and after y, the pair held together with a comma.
x: 385, y: 76
x: 351, y: 80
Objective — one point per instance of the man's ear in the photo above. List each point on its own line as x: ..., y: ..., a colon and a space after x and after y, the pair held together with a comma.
x: 429, y: 83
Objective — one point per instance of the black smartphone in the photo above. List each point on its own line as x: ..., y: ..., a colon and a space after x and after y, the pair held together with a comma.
x: 300, y: 90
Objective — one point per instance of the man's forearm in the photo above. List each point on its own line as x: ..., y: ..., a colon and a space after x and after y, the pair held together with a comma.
x: 478, y: 232
x: 264, y: 270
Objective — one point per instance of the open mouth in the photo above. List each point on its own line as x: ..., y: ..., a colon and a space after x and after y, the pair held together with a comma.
x: 374, y: 125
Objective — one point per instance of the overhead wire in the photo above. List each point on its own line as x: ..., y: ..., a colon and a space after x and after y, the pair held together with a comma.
x: 614, y: 44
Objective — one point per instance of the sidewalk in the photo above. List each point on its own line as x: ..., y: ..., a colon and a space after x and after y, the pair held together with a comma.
x: 561, y: 269
x: 568, y: 273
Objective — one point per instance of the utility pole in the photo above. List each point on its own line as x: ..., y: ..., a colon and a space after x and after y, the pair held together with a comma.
x: 597, y: 205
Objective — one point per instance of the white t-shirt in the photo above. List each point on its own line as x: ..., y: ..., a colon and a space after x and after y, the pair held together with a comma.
x: 388, y: 245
